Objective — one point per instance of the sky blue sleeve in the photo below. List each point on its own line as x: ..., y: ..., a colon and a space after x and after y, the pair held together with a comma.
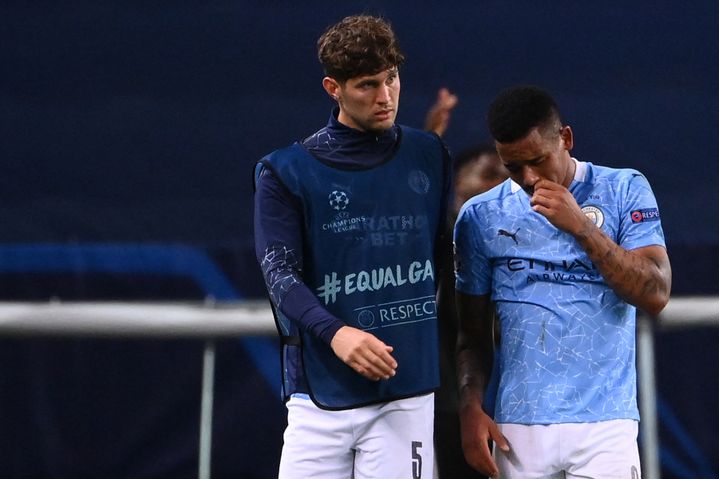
x: 640, y: 223
x: 471, y: 265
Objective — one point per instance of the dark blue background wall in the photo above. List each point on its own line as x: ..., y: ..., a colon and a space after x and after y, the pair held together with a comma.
x: 136, y: 123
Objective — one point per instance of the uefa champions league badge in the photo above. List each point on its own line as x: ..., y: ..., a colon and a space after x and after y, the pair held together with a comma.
x: 594, y: 214
x: 338, y: 200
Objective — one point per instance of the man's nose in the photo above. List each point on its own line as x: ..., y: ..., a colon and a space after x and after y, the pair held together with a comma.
x: 383, y: 95
x: 529, y: 177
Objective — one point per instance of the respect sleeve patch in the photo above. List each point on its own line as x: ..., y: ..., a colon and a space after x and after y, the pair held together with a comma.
x: 648, y: 214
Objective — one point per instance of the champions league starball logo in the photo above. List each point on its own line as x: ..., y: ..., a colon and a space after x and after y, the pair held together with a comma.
x: 339, y: 200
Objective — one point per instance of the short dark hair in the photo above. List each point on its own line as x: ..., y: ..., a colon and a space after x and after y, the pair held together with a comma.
x: 518, y: 109
x: 358, y: 45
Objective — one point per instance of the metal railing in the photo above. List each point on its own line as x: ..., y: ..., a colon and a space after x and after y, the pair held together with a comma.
x: 212, y: 320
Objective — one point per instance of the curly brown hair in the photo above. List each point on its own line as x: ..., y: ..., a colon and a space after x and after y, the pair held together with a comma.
x: 358, y: 45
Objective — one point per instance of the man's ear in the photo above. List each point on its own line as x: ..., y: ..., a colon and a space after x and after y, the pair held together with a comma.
x: 331, y: 87
x: 567, y: 137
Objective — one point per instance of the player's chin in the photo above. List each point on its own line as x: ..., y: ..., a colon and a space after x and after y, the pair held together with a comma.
x: 380, y: 126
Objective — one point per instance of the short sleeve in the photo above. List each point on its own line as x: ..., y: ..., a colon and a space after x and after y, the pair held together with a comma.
x: 640, y: 222
x: 471, y: 265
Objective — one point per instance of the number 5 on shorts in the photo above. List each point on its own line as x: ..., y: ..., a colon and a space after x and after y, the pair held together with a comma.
x: 416, y: 460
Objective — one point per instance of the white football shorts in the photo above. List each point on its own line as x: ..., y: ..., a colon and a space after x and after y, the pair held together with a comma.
x: 391, y: 440
x: 597, y: 450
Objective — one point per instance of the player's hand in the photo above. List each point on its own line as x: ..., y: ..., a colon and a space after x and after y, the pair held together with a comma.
x: 556, y: 203
x: 477, y: 429
x: 364, y: 353
x: 438, y: 115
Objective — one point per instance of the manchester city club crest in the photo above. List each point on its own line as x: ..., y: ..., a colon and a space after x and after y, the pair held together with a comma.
x: 595, y: 214
x: 419, y: 181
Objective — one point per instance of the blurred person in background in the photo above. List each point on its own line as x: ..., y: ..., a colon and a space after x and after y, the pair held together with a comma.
x: 475, y: 170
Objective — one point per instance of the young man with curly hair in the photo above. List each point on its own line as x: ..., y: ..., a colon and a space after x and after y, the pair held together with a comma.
x: 346, y: 226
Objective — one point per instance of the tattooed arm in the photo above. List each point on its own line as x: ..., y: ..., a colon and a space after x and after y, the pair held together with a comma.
x: 641, y: 276
x: 474, y: 367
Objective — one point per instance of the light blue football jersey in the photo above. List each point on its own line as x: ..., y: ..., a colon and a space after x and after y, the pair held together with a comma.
x: 567, y: 349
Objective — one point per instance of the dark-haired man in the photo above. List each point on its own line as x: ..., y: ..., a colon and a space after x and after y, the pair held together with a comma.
x: 346, y: 226
x: 565, y: 250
